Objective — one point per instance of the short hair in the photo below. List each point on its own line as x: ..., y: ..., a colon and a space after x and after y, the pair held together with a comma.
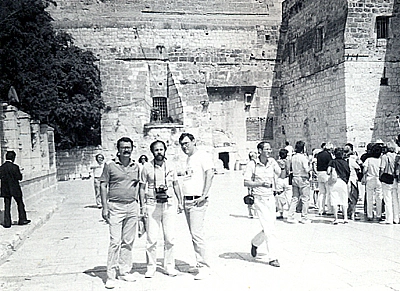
x: 339, y: 153
x: 261, y: 145
x: 323, y: 145
x: 299, y: 146
x: 96, y: 157
x: 283, y: 153
x: 349, y: 145
x: 376, y: 150
x: 186, y: 134
x: 143, y: 157
x: 10, y: 156
x: 287, y: 143
x: 124, y: 139
x: 153, y: 144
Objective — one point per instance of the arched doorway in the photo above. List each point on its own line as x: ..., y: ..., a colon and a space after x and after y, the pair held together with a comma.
x: 224, y: 157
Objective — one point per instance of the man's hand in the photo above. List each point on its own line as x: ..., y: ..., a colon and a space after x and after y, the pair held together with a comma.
x: 180, y: 208
x: 200, y: 201
x: 143, y: 211
x: 105, y: 214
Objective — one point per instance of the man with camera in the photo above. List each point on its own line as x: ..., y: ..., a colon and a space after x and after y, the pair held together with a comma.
x: 159, y: 207
x: 119, y: 195
x: 197, y: 180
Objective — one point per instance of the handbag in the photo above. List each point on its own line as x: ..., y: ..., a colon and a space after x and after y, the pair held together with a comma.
x: 248, y: 199
x: 385, y: 177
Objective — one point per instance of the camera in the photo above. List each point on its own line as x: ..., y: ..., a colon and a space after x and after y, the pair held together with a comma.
x: 161, y: 193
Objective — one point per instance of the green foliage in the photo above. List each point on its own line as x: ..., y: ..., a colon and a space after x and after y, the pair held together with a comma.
x: 57, y: 82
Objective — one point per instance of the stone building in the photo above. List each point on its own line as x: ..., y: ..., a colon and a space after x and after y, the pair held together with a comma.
x: 237, y: 72
x: 340, y: 71
x: 204, y: 67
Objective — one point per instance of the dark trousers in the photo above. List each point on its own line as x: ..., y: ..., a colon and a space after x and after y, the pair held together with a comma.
x: 7, y: 210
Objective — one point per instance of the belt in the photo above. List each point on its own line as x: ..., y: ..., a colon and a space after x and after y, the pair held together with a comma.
x: 122, y: 202
x: 191, y: 197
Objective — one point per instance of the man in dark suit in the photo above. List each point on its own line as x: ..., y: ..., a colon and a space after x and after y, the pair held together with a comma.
x: 10, y: 176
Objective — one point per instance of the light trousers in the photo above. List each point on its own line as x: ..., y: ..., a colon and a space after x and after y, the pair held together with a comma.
x: 97, y: 196
x: 324, y: 195
x: 396, y: 202
x: 265, y: 209
x: 388, y: 195
x: 123, y: 219
x: 195, y: 218
x: 373, y: 188
x: 301, y: 191
x: 160, y: 215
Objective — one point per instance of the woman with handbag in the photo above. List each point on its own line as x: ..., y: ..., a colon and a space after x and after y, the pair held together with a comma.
x: 373, y: 187
x: 386, y: 176
x: 340, y: 169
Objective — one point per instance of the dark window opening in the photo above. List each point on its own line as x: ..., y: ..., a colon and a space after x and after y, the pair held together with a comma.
x: 320, y: 38
x: 224, y: 157
x: 382, y: 27
x: 292, y: 52
x: 160, y: 111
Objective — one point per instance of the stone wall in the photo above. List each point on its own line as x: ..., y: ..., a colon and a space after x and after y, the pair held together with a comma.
x: 335, y: 90
x: 179, y: 49
x: 34, y: 145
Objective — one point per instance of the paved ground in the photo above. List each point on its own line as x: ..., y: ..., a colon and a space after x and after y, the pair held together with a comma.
x: 68, y: 250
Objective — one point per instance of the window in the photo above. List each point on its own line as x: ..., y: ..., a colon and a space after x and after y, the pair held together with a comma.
x: 319, y: 39
x: 160, y: 105
x: 292, y: 52
x: 382, y: 27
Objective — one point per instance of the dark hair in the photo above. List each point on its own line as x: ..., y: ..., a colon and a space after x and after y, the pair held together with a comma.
x: 376, y: 151
x: 339, y: 153
x: 299, y: 146
x: 97, y: 156
x: 370, y: 146
x: 153, y: 144
x: 261, y: 145
x: 283, y: 153
x: 250, y: 157
x: 185, y: 134
x: 143, y: 157
x: 124, y: 139
x: 323, y: 145
x: 350, y: 146
x: 287, y: 143
x: 10, y: 155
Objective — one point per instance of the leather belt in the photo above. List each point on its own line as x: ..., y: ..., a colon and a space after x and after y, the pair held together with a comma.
x: 191, y: 197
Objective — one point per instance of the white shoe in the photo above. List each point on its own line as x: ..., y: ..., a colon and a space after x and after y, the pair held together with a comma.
x: 110, y: 284
x: 204, y: 273
x: 305, y: 221
x: 149, y: 274
x: 292, y: 220
x: 127, y: 277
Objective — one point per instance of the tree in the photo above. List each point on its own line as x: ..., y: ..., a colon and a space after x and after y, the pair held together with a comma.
x: 57, y: 82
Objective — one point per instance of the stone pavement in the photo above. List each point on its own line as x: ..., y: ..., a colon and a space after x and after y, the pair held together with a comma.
x: 69, y: 249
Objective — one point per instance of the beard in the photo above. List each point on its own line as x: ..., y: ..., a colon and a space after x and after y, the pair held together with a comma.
x: 159, y: 158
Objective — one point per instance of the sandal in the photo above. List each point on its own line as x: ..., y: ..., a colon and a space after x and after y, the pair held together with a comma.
x: 335, y: 222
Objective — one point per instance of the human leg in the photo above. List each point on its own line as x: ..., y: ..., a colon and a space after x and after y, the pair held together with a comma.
x: 378, y: 198
x: 387, y: 190
x: 369, y: 190
x: 305, y: 198
x: 168, y: 223
x: 321, y: 200
x: 153, y: 223
x: 195, y: 219
x: 21, y: 210
x: 293, y: 203
x: 395, y: 201
x: 97, y: 195
x: 116, y: 217
x: 7, y: 212
x: 128, y: 237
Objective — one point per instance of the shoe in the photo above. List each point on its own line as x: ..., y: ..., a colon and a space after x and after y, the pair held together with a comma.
x: 172, y: 272
x: 6, y: 226
x: 110, y: 284
x: 274, y: 263
x: 280, y: 217
x: 291, y: 220
x: 345, y: 221
x: 370, y: 219
x: 335, y: 222
x: 149, y: 274
x: 204, y: 272
x: 26, y: 221
x: 305, y: 221
x: 128, y: 277
x: 385, y: 222
x: 253, y: 251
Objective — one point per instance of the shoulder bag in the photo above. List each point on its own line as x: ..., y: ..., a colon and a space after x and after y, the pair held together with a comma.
x: 249, y: 198
x: 386, y: 177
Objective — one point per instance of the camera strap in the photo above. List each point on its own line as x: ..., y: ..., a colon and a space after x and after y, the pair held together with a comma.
x: 165, y: 175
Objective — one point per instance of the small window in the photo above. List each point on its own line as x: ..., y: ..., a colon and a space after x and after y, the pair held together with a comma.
x: 160, y: 103
x: 382, y: 27
x: 292, y: 52
x: 267, y: 37
x: 319, y: 39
